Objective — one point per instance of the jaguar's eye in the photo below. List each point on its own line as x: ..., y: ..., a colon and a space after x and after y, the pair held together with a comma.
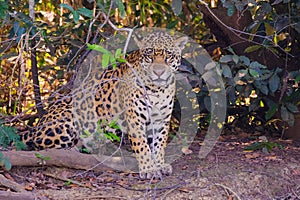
x: 148, y: 51
x: 168, y: 53
x: 169, y: 57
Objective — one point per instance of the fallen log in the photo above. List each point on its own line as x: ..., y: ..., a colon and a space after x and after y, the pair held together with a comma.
x: 70, y: 159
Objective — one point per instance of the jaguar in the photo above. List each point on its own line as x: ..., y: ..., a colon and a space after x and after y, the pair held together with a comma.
x: 140, y: 90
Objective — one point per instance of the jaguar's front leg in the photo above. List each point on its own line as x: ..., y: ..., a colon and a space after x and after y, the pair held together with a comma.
x: 142, y: 152
x: 149, y: 153
x: 157, y: 134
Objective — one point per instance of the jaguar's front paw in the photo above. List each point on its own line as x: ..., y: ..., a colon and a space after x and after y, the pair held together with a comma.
x: 156, y: 172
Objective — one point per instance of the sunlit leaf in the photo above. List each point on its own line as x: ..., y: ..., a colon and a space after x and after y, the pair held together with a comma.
x: 98, y: 48
x: 275, y: 38
x: 269, y: 29
x: 76, y: 16
x: 112, y: 60
x: 105, y: 59
x: 252, y: 48
x: 253, y: 73
x: 254, y: 28
x: 118, y: 53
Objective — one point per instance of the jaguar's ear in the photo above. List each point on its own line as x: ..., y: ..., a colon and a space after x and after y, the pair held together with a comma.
x: 138, y: 40
x: 181, y: 42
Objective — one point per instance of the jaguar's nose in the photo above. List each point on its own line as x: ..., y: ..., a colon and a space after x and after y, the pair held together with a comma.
x: 159, y: 72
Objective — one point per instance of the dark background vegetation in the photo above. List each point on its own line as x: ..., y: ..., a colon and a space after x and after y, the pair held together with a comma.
x: 256, y: 45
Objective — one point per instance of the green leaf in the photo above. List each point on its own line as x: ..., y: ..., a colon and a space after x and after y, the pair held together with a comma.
x: 112, y: 60
x: 242, y: 72
x: 269, y: 29
x: 67, y: 7
x: 40, y: 156
x: 121, y: 8
x: 112, y: 136
x: 226, y: 71
x: 284, y: 113
x: 172, y: 24
x: 105, y: 59
x: 261, y: 145
x: 291, y: 121
x: 207, y: 103
x: 85, y: 12
x: 253, y: 73
x: 256, y: 65
x: 292, y: 107
x: 98, y: 48
x: 76, y: 16
x: 7, y: 164
x: 297, y: 79
x: 118, y: 53
x: 264, y: 89
x: 287, y: 116
x: 274, y: 83
x: 18, y: 30
x: 68, y: 183
x: 271, y: 112
x: 276, y: 2
x: 3, y: 9
x: 121, y: 60
x: 226, y: 59
x: 230, y: 49
x: 177, y: 6
x: 235, y: 59
x: 254, y: 29
x: 245, y: 60
x: 252, y: 48
x: 255, y: 146
x: 230, y: 10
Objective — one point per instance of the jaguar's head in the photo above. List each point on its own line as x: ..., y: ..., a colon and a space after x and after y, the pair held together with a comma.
x: 160, y: 56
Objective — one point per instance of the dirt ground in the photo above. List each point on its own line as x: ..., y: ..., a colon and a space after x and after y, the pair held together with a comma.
x: 228, y: 172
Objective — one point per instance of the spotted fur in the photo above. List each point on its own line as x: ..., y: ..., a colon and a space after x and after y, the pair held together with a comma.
x: 142, y: 90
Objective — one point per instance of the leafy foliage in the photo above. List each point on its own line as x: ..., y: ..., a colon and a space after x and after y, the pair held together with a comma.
x: 63, y: 31
x: 268, y: 146
x: 255, y: 82
x: 76, y: 13
x: 4, y: 162
x: 8, y: 135
x: 108, y: 58
x: 103, y: 131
